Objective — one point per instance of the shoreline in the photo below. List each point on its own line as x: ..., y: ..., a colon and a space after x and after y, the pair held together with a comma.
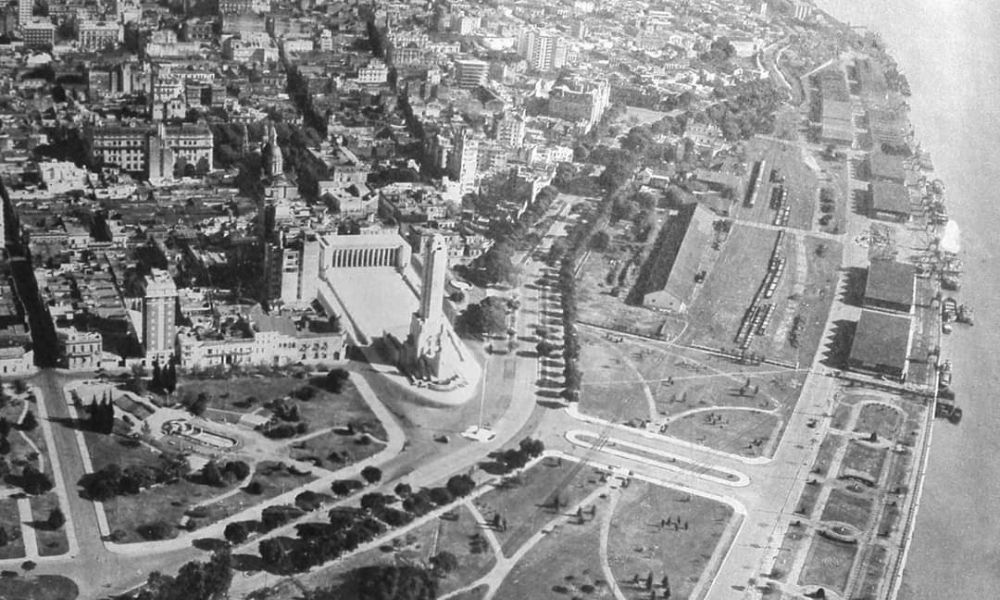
x: 948, y: 55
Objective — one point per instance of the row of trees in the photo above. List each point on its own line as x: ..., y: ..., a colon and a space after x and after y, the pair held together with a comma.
x: 347, y: 527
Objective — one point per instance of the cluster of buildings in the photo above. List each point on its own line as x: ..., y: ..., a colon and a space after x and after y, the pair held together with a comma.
x: 183, y: 174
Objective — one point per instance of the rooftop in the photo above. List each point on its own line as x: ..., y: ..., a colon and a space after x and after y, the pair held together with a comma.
x: 882, y: 339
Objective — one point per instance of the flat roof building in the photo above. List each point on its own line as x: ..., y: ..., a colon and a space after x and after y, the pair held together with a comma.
x: 891, y: 286
x: 890, y: 201
x: 881, y: 344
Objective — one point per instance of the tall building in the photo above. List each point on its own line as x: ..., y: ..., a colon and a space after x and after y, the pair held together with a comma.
x: 470, y: 73
x: 511, y: 129
x: 24, y: 11
x: 463, y: 162
x: 159, y: 326
x: 275, y: 160
x: 544, y: 51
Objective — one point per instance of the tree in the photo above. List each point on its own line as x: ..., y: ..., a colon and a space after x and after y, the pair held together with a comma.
x: 601, y: 241
x: 212, y: 475
x: 4, y: 446
x: 391, y: 582
x: 29, y: 422
x: 4, y: 427
x: 371, y: 474
x: 34, y: 482
x: 336, y: 379
x: 56, y: 519
x: 460, y: 485
x: 236, y: 532
x: 488, y: 317
x: 3, y: 537
x: 157, y: 381
x: 497, y: 263
x: 199, y: 405
x: 444, y: 562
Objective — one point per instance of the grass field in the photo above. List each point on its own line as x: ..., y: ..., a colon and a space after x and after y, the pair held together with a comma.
x: 829, y: 447
x: 249, y: 394
x: 528, y: 501
x: 112, y: 449
x: 790, y: 547
x: 41, y: 587
x: 274, y: 480
x: 873, y: 572
x: 564, y: 564
x: 818, y: 294
x: 743, y: 432
x: 50, y: 542
x: 845, y: 507
x: 11, y: 523
x: 678, y: 379
x: 637, y: 545
x: 881, y: 419
x: 828, y: 563
x: 21, y: 451
x: 807, y: 501
x: 864, y: 460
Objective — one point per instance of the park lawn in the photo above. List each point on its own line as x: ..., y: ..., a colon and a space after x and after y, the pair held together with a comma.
x: 21, y: 451
x: 476, y: 593
x: 326, y: 409
x: 873, y: 572
x: 808, y: 499
x: 527, y: 500
x: 845, y: 507
x: 715, y: 315
x: 113, y: 449
x: 274, y: 481
x: 350, y: 449
x: 791, y: 545
x: 842, y: 415
x: 828, y: 563
x: 637, y: 545
x: 167, y: 503
x: 829, y: 447
x: 50, y: 542
x: 744, y: 432
x: 881, y: 419
x: 564, y: 564
x: 40, y: 587
x: 611, y: 390
x: 863, y: 459
x: 10, y: 520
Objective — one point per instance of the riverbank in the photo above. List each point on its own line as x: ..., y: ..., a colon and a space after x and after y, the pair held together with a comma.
x: 947, y: 52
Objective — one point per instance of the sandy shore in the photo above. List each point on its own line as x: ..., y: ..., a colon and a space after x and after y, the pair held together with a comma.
x: 948, y: 52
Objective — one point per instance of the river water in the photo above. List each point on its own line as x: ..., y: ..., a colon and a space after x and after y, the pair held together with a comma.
x: 950, y: 53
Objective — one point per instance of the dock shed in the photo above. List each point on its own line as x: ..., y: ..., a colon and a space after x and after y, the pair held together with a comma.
x: 882, y: 344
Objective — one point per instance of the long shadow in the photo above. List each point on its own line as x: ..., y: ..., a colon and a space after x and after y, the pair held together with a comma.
x: 860, y: 201
x: 855, y: 279
x: 838, y: 349
x: 71, y: 423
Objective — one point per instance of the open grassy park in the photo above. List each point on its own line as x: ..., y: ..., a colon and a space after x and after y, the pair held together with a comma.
x: 533, y: 498
x: 863, y: 461
x: 230, y: 399
x: 639, y: 544
x: 51, y: 542
x: 564, y: 564
x: 11, y: 523
x: 40, y: 587
x: 844, y: 506
x: 828, y: 563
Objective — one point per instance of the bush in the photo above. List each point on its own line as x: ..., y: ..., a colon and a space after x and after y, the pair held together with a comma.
x: 371, y: 474
x: 157, y: 530
x: 308, y: 501
x: 460, y: 485
x: 440, y: 496
x: 254, y: 488
x: 343, y: 487
x: 237, y: 532
x: 29, y: 422
x: 336, y: 379
x: 237, y: 469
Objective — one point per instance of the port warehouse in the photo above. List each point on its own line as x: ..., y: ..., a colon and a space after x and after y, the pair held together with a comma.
x: 884, y: 333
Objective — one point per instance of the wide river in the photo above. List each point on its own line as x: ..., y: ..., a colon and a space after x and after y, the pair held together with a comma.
x: 950, y: 53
